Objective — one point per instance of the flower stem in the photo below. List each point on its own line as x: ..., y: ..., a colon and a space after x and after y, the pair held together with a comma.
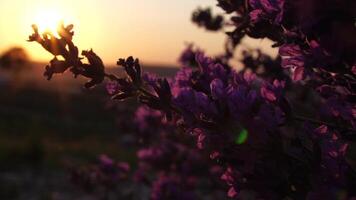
x: 315, y: 121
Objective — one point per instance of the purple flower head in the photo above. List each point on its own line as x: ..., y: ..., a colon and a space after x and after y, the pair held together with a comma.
x: 332, y: 154
x: 201, y: 138
x: 183, y: 78
x: 203, y: 61
x: 333, y: 161
x: 120, y: 89
x: 216, y: 70
x: 210, y: 68
x: 203, y: 104
x: 200, y: 142
x: 166, y: 187
x: 214, y: 155
x: 290, y: 50
x: 272, y: 92
x: 249, y: 77
x: 106, y: 173
x: 196, y: 103
x: 187, y: 58
x: 339, y: 108
x: 243, y: 79
x: 146, y: 118
x: 231, y: 177
x: 269, y: 10
x: 150, y: 78
x: 240, y: 100
x: 105, y: 160
x: 159, y: 97
x: 159, y: 156
x: 294, y: 59
x: 268, y: 94
x: 321, y: 130
x: 149, y: 154
x: 302, y: 58
x: 184, y: 98
x: 256, y: 15
x: 132, y: 68
x: 123, y: 166
x: 217, y: 89
x: 353, y: 69
x: 205, y: 18
x: 112, y: 87
x: 232, y: 192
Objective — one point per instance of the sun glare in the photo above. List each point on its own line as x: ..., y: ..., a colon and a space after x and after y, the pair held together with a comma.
x: 48, y: 20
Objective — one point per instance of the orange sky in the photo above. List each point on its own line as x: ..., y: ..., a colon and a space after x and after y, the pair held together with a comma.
x: 156, y: 31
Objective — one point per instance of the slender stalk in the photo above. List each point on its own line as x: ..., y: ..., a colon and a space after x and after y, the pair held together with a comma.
x: 315, y: 121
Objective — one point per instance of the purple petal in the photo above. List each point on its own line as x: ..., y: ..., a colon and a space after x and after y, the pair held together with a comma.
x: 354, y: 69
x: 268, y: 94
x: 321, y: 130
x: 217, y: 89
x: 232, y: 192
x: 298, y: 73
x: 256, y: 15
x: 290, y: 50
x: 268, y: 6
x: 255, y: 4
x: 112, y: 87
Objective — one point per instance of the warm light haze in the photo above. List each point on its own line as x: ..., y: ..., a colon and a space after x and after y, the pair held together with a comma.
x: 113, y: 28
x: 48, y: 20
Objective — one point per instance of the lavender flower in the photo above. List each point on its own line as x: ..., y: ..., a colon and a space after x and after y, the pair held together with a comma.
x: 169, y: 188
x: 267, y: 10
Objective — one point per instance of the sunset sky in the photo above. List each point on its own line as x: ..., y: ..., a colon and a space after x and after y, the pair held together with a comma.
x: 156, y: 31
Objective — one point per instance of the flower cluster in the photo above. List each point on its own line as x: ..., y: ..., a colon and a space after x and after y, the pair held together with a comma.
x: 63, y: 46
x: 280, y: 128
x: 178, y: 167
x: 204, y: 18
x: 105, y: 173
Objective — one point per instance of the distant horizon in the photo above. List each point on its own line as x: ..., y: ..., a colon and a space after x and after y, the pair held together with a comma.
x: 113, y: 65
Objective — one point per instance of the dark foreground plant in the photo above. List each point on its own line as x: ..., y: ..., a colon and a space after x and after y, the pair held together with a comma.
x: 281, y: 128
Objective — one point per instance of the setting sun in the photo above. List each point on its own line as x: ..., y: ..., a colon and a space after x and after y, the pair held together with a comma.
x: 48, y: 20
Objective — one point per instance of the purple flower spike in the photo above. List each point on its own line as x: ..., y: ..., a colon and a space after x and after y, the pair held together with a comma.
x: 267, y: 9
x: 112, y: 87
x: 217, y: 89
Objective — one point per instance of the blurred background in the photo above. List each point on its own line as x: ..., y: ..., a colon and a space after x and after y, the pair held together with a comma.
x: 155, y: 31
x: 47, y: 127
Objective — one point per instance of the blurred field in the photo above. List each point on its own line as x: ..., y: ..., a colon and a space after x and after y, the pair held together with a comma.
x: 48, y: 126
